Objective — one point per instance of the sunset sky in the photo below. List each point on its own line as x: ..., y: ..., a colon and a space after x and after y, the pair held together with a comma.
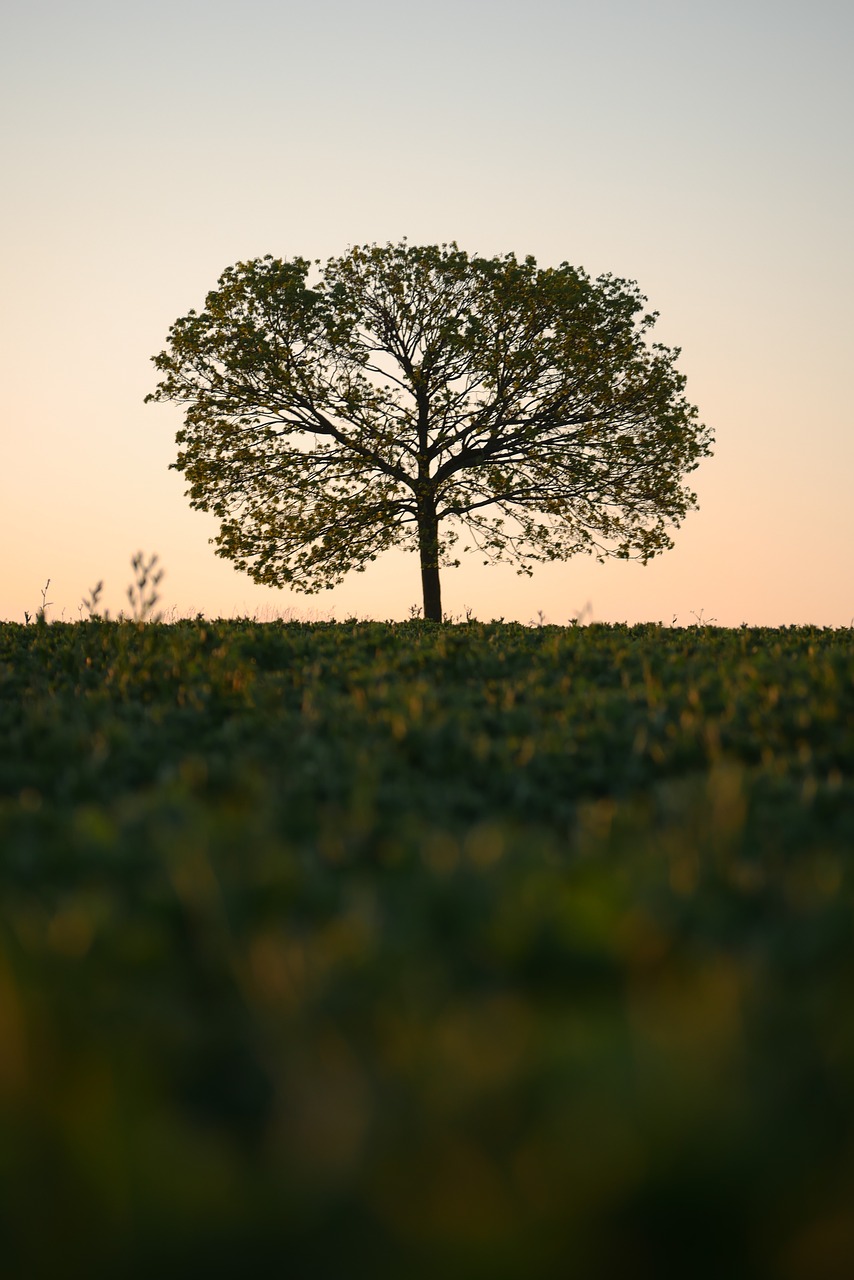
x: 703, y: 150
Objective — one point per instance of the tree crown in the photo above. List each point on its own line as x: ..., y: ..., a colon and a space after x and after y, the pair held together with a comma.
x: 419, y: 396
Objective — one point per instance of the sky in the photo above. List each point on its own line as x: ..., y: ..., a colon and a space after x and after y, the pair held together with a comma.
x: 701, y: 150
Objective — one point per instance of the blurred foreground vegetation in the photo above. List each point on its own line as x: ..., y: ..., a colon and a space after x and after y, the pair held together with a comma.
x: 472, y: 951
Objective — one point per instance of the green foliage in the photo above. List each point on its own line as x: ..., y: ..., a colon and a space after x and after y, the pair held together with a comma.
x: 462, y: 950
x: 423, y: 398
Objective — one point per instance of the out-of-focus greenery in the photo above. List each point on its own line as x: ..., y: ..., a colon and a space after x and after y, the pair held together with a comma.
x: 472, y: 951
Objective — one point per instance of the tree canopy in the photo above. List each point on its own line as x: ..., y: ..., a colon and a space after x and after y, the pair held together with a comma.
x: 418, y: 396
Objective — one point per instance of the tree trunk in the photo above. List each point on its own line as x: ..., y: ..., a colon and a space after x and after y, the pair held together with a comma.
x: 428, y: 542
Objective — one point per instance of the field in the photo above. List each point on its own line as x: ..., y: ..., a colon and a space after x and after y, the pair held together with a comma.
x: 463, y: 951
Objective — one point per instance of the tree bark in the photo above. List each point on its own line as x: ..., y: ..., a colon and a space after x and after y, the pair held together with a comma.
x: 428, y: 543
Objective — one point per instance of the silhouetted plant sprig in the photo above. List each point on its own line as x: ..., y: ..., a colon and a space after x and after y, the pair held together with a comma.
x: 90, y: 603
x: 41, y: 614
x: 142, y: 593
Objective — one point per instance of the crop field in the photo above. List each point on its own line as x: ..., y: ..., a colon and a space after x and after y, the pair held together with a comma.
x: 426, y: 950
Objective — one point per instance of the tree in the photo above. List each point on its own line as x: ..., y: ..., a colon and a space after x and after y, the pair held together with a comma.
x: 419, y: 397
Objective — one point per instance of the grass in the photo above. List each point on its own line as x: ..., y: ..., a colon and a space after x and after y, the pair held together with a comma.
x: 474, y: 950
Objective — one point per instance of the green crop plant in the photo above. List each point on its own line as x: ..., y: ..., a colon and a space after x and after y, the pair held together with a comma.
x: 478, y: 950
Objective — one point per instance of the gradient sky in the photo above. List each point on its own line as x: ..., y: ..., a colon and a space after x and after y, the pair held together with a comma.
x: 701, y: 149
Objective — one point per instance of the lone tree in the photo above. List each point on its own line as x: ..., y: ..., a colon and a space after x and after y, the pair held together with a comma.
x: 417, y: 396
